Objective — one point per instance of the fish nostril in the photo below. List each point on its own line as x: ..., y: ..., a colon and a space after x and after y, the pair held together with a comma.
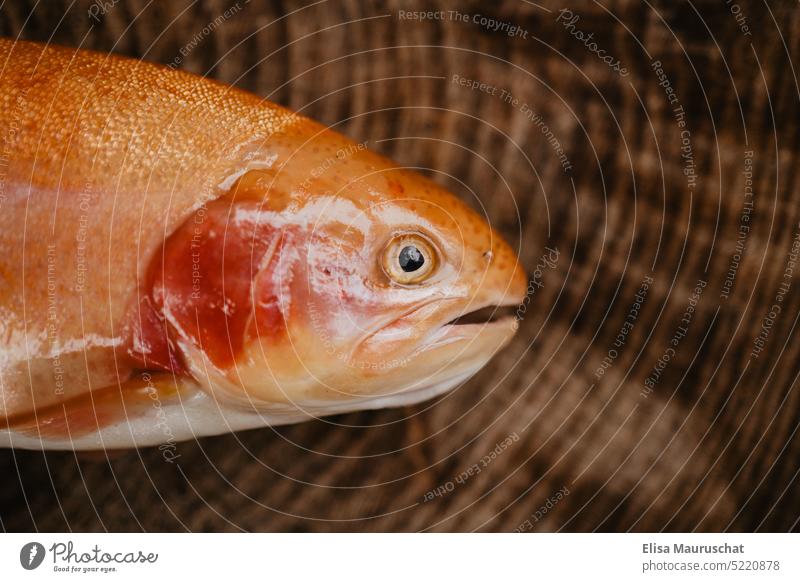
x: 488, y: 255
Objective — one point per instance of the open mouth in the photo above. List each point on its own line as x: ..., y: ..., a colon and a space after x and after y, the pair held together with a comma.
x: 494, y: 324
x: 484, y: 315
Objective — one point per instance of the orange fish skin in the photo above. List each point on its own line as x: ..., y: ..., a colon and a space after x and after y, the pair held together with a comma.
x: 106, y: 158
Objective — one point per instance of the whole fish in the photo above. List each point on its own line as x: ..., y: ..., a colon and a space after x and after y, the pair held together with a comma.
x: 181, y: 258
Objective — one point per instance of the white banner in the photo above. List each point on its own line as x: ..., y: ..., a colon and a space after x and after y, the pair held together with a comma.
x: 352, y: 557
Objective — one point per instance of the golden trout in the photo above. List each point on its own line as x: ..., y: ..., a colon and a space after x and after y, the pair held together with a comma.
x: 182, y: 258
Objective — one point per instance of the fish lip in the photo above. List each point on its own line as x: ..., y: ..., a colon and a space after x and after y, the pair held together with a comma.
x: 492, y: 303
x: 446, y: 332
x: 366, y: 337
x: 450, y: 332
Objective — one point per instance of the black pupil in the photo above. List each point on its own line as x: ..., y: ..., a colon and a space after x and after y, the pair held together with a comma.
x: 411, y: 259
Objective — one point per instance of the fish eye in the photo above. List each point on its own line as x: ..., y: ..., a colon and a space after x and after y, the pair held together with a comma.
x: 409, y: 259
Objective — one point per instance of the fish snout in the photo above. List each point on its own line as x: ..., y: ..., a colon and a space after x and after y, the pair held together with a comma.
x: 498, y: 287
x: 505, y: 281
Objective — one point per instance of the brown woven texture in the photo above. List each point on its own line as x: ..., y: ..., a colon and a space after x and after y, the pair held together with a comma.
x: 713, y: 446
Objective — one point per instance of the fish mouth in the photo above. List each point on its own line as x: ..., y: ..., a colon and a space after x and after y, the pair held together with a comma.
x: 488, y: 326
x: 484, y: 315
x: 450, y: 354
x: 445, y: 340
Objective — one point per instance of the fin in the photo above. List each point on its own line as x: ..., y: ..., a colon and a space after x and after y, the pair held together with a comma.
x: 97, y: 409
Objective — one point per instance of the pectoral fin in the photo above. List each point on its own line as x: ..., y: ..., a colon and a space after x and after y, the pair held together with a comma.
x: 97, y: 409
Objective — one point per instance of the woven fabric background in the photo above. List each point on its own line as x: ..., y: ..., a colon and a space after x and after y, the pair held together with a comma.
x: 713, y: 446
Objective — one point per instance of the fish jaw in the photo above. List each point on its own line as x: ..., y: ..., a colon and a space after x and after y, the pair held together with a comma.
x: 436, y: 354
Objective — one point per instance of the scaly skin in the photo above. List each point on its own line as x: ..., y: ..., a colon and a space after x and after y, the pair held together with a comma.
x: 109, y: 164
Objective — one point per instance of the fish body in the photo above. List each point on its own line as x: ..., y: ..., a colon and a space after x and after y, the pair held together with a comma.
x: 182, y: 258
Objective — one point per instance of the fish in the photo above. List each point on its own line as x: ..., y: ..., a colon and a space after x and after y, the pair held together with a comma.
x: 182, y: 258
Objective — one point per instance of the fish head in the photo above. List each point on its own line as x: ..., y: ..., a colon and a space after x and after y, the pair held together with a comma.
x: 370, y: 267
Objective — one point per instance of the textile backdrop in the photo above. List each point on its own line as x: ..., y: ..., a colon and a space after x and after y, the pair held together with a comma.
x: 643, y: 158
